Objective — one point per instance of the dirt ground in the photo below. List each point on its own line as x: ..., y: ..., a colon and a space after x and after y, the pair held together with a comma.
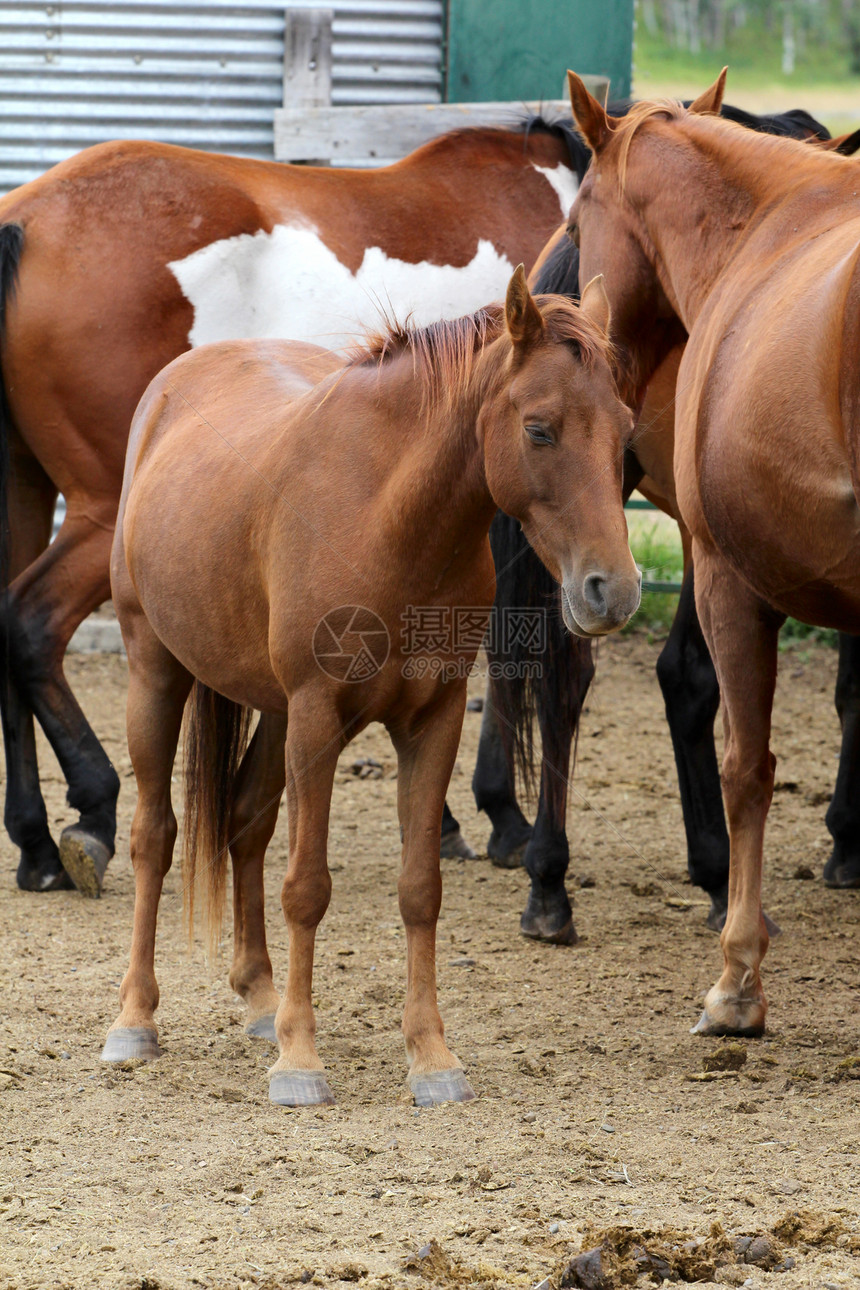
x: 593, y: 1122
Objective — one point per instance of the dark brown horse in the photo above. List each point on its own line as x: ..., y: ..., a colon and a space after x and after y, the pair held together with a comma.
x: 760, y: 264
x: 117, y: 260
x: 274, y: 526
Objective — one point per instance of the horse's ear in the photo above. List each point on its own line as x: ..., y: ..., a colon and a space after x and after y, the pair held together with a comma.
x: 594, y: 303
x: 712, y: 99
x: 525, y: 325
x: 592, y: 120
x: 845, y: 144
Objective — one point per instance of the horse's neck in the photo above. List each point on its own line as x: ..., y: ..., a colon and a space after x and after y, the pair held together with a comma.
x: 730, y: 179
x: 435, y: 484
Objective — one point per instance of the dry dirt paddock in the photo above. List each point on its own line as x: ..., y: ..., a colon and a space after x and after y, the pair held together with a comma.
x: 593, y: 1123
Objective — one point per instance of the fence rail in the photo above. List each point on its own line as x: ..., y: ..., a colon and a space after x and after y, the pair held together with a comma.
x: 662, y: 588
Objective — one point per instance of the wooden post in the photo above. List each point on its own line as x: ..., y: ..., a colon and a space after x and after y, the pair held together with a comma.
x: 307, y: 63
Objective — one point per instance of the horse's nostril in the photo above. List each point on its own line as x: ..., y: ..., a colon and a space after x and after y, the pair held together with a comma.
x: 593, y: 592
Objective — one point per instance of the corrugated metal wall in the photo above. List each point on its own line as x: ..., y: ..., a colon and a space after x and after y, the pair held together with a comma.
x: 204, y: 73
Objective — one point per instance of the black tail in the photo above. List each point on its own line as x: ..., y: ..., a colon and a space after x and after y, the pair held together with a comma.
x: 215, y: 737
x: 11, y: 247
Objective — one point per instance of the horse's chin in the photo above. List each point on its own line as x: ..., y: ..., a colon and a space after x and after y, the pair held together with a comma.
x: 576, y: 628
x: 569, y: 618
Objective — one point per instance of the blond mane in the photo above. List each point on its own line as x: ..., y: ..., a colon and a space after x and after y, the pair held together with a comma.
x: 628, y: 126
x: 746, y: 143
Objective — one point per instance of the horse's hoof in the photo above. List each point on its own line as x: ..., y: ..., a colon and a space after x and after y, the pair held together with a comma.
x: 773, y: 929
x: 842, y: 874
x: 300, y: 1088
x: 724, y: 1015
x: 507, y: 850
x: 455, y: 847
x: 541, y: 929
x: 47, y: 876
x: 131, y: 1044
x: 512, y: 859
x: 441, y: 1086
x: 85, y: 859
x: 263, y: 1028
x: 716, y: 919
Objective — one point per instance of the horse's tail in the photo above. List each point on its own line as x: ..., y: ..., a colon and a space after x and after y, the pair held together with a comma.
x: 216, y: 734
x: 11, y: 247
x: 535, y: 663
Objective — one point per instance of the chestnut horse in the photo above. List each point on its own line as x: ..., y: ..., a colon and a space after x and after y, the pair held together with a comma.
x: 274, y: 524
x: 760, y: 264
x: 685, y: 671
x: 112, y: 264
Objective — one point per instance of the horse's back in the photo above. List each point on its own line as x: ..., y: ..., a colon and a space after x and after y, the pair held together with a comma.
x: 247, y: 385
x: 199, y: 501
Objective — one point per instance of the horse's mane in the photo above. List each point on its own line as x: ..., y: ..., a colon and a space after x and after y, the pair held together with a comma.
x: 796, y: 125
x: 526, y: 124
x: 444, y: 353
x: 560, y: 128
x: 632, y: 121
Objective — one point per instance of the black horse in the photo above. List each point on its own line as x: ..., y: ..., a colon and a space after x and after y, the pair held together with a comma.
x: 555, y: 689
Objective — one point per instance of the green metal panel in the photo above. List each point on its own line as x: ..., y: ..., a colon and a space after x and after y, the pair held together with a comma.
x: 520, y: 49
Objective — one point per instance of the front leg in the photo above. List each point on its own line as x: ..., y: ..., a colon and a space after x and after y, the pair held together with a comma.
x: 560, y: 694
x: 315, y: 739
x: 495, y: 792
x: 741, y: 631
x: 426, y: 747
x: 843, y: 814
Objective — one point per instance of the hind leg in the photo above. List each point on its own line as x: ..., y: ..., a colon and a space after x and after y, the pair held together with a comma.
x: 47, y: 603
x: 257, y: 799
x: 30, y: 501
x: 157, y: 691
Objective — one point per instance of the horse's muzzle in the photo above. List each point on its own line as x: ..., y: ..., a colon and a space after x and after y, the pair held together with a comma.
x: 600, y: 603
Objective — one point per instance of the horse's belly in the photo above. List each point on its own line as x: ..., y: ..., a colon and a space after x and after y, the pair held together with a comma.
x: 289, y: 285
x: 798, y: 547
x: 194, y: 578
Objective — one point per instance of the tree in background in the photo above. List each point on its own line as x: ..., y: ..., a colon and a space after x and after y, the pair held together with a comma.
x: 800, y: 29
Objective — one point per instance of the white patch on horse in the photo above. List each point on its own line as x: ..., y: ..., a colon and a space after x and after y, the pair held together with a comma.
x: 289, y: 285
x: 564, y: 181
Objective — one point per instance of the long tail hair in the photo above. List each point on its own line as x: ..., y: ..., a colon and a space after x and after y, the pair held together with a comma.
x: 11, y: 248
x: 216, y: 734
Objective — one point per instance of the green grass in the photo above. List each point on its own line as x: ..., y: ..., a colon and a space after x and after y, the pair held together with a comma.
x: 656, y: 549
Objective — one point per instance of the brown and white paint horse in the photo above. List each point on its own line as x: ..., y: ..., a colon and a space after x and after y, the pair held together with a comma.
x: 271, y: 494
x: 121, y: 258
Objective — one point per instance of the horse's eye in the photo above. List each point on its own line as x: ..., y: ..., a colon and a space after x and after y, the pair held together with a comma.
x: 538, y: 433
x: 573, y: 234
